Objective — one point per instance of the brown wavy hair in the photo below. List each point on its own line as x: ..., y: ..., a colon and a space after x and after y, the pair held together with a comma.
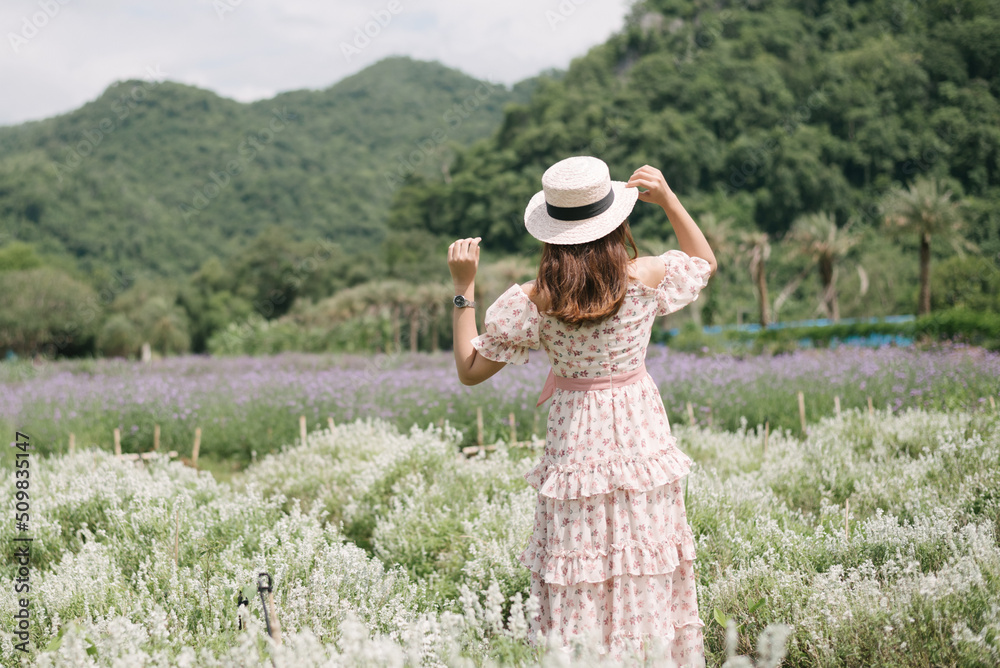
x: 586, y: 283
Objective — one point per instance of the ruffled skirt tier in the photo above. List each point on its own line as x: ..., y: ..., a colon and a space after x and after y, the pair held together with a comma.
x: 612, y: 553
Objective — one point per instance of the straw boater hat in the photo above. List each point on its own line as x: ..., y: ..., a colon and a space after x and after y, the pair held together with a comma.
x: 578, y: 202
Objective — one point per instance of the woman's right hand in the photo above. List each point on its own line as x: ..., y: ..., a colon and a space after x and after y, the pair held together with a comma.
x: 690, y: 238
x: 657, y: 191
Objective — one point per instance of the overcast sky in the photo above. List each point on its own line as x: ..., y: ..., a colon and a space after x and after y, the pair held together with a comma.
x: 58, y: 54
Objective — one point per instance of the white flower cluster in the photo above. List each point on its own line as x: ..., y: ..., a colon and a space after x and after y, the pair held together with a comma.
x: 876, y: 537
x: 870, y: 536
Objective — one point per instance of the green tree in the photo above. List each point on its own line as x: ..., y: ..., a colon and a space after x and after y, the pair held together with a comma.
x: 152, y: 308
x: 757, y: 247
x: 818, y: 238
x: 18, y: 256
x: 208, y: 299
x: 163, y: 325
x: 971, y: 282
x: 118, y: 337
x: 46, y: 311
x: 925, y: 210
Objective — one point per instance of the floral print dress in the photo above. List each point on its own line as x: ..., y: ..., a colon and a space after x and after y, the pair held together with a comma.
x: 612, y: 552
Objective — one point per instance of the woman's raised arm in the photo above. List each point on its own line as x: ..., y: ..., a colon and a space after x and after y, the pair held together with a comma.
x: 689, y: 236
x: 463, y: 261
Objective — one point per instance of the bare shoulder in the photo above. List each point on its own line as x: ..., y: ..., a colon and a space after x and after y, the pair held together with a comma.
x: 649, y: 269
x: 528, y: 287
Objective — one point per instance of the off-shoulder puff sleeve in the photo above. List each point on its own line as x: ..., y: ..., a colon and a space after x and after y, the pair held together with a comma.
x: 685, y: 277
x: 511, y: 328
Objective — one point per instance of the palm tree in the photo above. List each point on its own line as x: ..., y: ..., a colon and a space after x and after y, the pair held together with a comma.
x: 719, y: 233
x: 757, y: 245
x: 927, y: 210
x: 825, y: 244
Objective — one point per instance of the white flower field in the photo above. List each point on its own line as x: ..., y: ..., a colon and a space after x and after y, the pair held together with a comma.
x: 871, y: 542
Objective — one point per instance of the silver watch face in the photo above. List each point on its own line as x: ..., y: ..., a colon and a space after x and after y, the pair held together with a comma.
x: 461, y: 301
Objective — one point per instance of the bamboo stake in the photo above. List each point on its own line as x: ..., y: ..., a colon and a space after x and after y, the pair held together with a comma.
x: 329, y: 422
x: 847, y: 513
x: 802, y: 411
x: 993, y: 404
x: 836, y: 404
x: 72, y: 443
x: 767, y: 431
x: 177, y: 536
x: 302, y: 430
x: 275, y: 623
x: 118, y: 441
x: 871, y: 407
x: 513, y: 428
x: 690, y: 410
x: 479, y: 425
x: 156, y: 437
x: 196, y: 447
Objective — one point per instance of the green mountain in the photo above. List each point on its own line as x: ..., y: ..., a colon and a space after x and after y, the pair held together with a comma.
x: 757, y: 111
x: 163, y: 176
x: 766, y: 116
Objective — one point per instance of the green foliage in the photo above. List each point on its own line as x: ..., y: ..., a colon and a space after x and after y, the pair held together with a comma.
x: 957, y: 324
x: 691, y: 339
x: 765, y: 113
x: 961, y: 324
x: 163, y: 176
x: 46, y: 308
x: 18, y: 256
x: 118, y: 337
x: 380, y: 315
x: 256, y: 336
x: 971, y: 282
x: 164, y: 326
x: 759, y: 114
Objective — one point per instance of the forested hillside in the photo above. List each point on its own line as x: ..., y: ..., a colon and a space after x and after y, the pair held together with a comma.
x: 760, y: 112
x: 160, y: 176
x: 843, y: 158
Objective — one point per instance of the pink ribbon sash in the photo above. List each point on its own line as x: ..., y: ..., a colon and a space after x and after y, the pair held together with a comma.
x: 585, y: 384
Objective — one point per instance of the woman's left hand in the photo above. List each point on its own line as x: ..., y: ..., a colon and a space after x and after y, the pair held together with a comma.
x: 463, y: 260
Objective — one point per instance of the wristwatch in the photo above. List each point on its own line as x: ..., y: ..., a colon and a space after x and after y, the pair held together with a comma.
x: 462, y: 302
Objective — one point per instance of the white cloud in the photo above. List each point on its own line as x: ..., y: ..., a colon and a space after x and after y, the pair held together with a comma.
x: 262, y: 47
